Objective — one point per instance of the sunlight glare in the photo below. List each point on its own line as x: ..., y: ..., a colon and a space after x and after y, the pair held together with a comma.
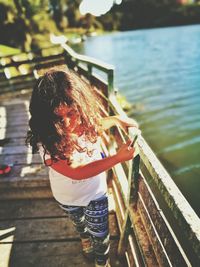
x: 98, y: 7
x: 3, y: 122
x: 5, y: 249
x: 61, y: 39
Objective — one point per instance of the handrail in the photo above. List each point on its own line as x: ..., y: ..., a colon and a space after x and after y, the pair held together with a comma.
x: 128, y: 185
x: 181, y: 210
x: 173, y: 196
x: 96, y: 63
x: 92, y: 62
x: 178, y: 204
x: 29, y: 61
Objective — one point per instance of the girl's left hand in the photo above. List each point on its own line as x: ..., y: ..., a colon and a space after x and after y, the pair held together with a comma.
x: 125, y: 123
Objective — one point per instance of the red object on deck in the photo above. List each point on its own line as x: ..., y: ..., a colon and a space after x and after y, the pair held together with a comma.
x: 4, y: 169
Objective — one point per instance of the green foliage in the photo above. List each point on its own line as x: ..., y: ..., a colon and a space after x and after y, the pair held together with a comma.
x: 22, y: 21
x: 6, y: 50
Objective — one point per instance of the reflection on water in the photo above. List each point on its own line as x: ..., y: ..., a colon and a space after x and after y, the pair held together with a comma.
x: 159, y: 70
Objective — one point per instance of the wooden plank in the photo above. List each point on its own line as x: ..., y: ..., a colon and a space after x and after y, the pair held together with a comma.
x: 42, y: 254
x: 11, y: 132
x: 51, y: 254
x: 125, y: 230
x: 29, y: 181
x: 12, y: 150
x: 141, y: 235
x: 180, y: 208
x: 16, y: 87
x: 39, y: 191
x: 13, y: 117
x: 46, y: 228
x: 12, y: 104
x: 32, y: 61
x: 100, y: 84
x: 157, y: 246
x: 29, y: 208
x: 15, y: 97
x: 8, y: 183
x: 23, y: 173
x: 130, y: 258
x: 20, y: 159
x: 15, y: 142
x: 20, y: 208
x: 8, y: 150
x: 165, y: 243
x: 21, y: 80
x: 49, y: 64
x: 143, y: 246
x: 39, y: 229
x: 119, y: 203
x: 22, y: 76
x: 15, y: 120
x: 11, y: 210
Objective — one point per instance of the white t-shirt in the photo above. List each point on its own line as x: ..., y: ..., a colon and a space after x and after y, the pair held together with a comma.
x: 68, y: 191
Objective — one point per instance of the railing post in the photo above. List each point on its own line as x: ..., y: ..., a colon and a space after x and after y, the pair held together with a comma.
x: 133, y: 184
x: 89, y: 67
x: 126, y: 228
x: 110, y: 81
x: 135, y: 179
x: 68, y: 59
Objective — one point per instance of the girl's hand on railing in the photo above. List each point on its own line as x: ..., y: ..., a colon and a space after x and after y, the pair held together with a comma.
x: 126, y: 122
x: 126, y: 152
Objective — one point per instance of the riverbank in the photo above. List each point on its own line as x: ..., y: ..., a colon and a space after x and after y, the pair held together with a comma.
x: 40, y: 41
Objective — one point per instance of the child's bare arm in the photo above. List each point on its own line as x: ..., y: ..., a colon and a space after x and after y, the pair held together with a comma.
x: 94, y: 168
x: 108, y: 122
x: 123, y: 122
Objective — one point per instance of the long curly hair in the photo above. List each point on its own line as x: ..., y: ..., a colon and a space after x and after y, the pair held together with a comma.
x: 61, y: 86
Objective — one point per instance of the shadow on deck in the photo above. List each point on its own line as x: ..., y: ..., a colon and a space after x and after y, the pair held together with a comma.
x: 36, y: 232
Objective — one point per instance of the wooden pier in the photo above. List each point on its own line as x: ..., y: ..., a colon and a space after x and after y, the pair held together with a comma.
x: 34, y: 231
x: 151, y: 223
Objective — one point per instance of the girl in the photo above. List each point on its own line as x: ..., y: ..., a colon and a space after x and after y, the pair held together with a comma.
x: 65, y: 125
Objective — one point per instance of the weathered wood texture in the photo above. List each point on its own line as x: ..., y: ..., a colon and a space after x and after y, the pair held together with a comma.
x: 28, y: 177
x: 29, y: 208
x: 167, y: 245
x: 55, y: 253
x: 33, y: 61
x: 39, y: 233
x: 138, y: 244
x: 35, y: 231
x: 42, y: 254
x: 180, y: 209
x: 39, y: 229
x: 19, y: 158
x: 150, y: 240
x: 158, y: 231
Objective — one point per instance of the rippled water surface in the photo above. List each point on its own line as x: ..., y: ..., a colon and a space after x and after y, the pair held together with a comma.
x: 159, y: 71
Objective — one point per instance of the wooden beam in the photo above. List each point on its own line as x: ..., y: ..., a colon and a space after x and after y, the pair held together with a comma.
x: 180, y: 208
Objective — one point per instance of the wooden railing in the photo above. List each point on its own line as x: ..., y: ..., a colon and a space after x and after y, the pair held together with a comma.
x: 18, y: 71
x: 157, y: 225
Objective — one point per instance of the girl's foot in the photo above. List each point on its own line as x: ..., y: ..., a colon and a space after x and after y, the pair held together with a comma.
x: 87, y: 248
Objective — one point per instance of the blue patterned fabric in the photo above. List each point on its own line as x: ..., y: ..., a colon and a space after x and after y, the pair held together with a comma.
x: 92, y: 221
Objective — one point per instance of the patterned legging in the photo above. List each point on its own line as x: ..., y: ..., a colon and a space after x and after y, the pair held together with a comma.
x: 92, y: 221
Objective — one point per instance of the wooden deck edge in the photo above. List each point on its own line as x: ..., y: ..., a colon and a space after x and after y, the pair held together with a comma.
x: 24, y: 187
x: 25, y: 193
x: 23, y: 182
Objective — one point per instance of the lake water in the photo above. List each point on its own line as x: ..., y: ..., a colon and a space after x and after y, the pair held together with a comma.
x: 158, y: 70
